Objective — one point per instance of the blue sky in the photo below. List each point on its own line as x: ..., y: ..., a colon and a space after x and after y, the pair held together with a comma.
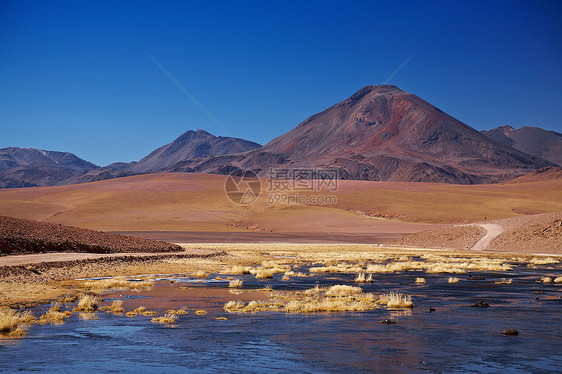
x: 77, y: 76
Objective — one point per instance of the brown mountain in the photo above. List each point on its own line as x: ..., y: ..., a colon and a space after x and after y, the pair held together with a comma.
x: 532, y: 140
x: 191, y: 145
x: 384, y: 133
x: 30, y: 167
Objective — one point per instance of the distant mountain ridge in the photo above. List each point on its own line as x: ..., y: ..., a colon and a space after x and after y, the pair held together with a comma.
x: 378, y: 133
x: 532, y: 140
x: 30, y: 167
x: 191, y: 145
x: 383, y: 133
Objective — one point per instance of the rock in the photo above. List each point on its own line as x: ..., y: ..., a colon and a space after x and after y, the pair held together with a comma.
x: 388, y: 321
x: 481, y: 304
x: 510, y: 332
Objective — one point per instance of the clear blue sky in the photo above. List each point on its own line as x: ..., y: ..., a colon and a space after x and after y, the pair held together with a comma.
x: 76, y: 76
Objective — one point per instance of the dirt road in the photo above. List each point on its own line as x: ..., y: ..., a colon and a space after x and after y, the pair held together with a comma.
x: 18, y: 260
x: 492, y: 231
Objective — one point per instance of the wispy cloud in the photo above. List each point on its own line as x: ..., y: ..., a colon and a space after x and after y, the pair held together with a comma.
x: 188, y: 94
x: 406, y: 61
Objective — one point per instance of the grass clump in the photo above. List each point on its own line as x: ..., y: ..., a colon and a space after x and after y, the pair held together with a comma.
x: 201, y: 274
x: 453, y: 280
x: 396, y: 300
x: 420, y: 281
x: 87, y: 303
x: 166, y: 319
x: 10, y: 321
x: 236, y: 283
x: 504, y: 281
x: 118, y: 283
x: 558, y: 280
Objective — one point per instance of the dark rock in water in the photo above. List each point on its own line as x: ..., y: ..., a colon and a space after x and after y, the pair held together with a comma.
x: 481, y: 304
x: 476, y: 278
x: 431, y: 309
x: 511, y: 332
x: 388, y: 321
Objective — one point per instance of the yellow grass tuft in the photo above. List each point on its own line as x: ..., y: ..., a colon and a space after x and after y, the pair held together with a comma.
x: 181, y: 312
x: 131, y: 314
x: 360, y: 278
x: 200, y: 274
x: 201, y: 312
x: 9, y: 320
x: 87, y: 303
x: 420, y: 281
x: 396, y: 300
x: 237, y: 269
x: 116, y: 307
x: 546, y: 279
x: 558, y: 280
x: 453, y: 280
x: 237, y: 283
x: 543, y: 261
x: 504, y: 281
x: 343, y: 290
x: 117, y: 283
x: 166, y: 319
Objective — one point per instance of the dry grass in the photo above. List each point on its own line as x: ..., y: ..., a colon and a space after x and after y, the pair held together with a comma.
x: 236, y: 283
x: 166, y: 319
x: 558, y: 280
x: 543, y: 261
x: 237, y: 269
x: 504, y: 281
x: 200, y: 312
x: 396, y: 300
x: 117, y: 283
x: 343, y: 290
x: 87, y: 303
x: 546, y: 279
x: 453, y: 280
x: 360, y: 278
x: 10, y: 319
x: 420, y: 281
x: 264, y: 273
x: 116, y: 306
x: 201, y: 274
x: 338, y: 298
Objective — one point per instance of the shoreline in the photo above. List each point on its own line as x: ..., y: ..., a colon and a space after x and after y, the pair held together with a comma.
x: 25, y: 285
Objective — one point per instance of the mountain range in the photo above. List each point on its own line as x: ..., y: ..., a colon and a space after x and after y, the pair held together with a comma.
x: 379, y: 133
x: 532, y: 140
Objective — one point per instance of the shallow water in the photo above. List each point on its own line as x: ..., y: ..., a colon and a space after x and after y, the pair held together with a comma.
x: 454, y: 338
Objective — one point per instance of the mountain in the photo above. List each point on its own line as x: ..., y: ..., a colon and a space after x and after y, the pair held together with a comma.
x: 13, y: 157
x: 191, y: 145
x: 532, y: 140
x: 384, y: 133
x: 29, y: 167
x: 540, y: 175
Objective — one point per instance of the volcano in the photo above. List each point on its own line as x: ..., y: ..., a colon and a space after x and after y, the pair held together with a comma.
x: 384, y: 133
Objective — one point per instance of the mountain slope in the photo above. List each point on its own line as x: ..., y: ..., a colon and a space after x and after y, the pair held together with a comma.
x: 384, y: 133
x: 13, y: 157
x: 532, y: 140
x: 29, y: 167
x: 191, y: 145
